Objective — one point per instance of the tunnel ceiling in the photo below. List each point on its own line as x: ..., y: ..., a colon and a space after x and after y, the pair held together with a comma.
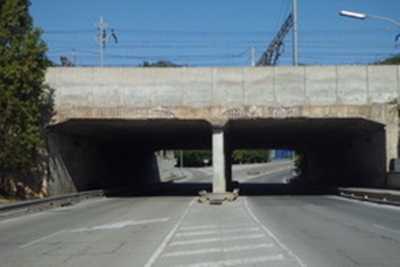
x: 157, y: 134
x: 298, y: 133
x: 293, y: 133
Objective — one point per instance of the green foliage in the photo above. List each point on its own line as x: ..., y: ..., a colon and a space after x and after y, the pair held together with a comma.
x: 300, y: 161
x: 250, y: 156
x: 22, y: 69
x: 194, y: 158
x: 160, y: 63
x: 394, y: 60
x: 197, y: 158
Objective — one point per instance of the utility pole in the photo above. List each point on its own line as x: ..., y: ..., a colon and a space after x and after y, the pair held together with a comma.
x: 73, y: 57
x: 295, y: 43
x: 271, y: 55
x: 253, y: 56
x: 103, y: 38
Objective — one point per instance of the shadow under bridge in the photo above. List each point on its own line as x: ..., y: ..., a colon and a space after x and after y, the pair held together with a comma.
x: 110, y: 153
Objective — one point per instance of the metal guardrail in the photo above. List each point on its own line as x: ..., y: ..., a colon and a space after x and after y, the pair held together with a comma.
x: 389, y: 197
x: 7, y: 210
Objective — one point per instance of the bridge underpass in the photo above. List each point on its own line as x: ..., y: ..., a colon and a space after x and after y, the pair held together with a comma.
x: 108, y: 122
x: 110, y: 153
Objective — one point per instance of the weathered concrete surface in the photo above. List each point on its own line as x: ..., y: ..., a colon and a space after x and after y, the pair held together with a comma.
x: 222, y: 94
x: 147, y: 103
x: 219, y: 161
x: 207, y: 92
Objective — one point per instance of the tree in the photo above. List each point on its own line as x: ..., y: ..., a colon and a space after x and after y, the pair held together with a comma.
x: 22, y: 71
x: 250, y: 156
x: 199, y: 158
x: 194, y: 158
x: 394, y: 60
x: 161, y: 63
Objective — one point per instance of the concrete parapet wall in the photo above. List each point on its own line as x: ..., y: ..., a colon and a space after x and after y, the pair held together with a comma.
x: 223, y: 87
x: 221, y: 94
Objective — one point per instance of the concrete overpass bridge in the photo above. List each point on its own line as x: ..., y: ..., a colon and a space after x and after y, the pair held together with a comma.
x: 109, y: 121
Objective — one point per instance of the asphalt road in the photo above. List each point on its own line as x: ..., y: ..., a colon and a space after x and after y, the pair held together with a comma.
x: 175, y: 230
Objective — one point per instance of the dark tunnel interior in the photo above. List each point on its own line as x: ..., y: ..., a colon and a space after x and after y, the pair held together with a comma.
x: 108, y: 153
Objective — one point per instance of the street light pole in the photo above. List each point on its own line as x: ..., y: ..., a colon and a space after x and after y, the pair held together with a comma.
x: 357, y: 15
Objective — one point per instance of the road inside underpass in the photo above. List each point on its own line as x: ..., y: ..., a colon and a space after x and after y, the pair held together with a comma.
x: 169, y: 228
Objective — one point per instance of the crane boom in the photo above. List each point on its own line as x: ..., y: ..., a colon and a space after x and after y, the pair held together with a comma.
x: 271, y: 55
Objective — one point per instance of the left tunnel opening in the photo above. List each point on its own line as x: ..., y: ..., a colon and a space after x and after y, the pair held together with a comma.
x: 118, y: 154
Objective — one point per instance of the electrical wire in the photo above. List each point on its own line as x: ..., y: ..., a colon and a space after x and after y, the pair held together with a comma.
x: 195, y: 47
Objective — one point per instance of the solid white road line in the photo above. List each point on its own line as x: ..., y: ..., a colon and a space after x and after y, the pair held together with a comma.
x: 162, y: 246
x: 110, y: 226
x: 118, y: 225
x: 217, y: 250
x: 299, y: 261
x: 42, y: 239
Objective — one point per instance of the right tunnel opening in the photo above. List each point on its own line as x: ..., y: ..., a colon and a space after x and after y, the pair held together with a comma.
x: 334, y: 152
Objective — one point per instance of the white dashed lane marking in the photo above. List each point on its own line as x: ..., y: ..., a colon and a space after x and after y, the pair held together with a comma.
x: 217, y: 250
x: 213, y: 226
x: 218, y: 236
x: 236, y: 262
x: 211, y: 232
x: 216, y: 239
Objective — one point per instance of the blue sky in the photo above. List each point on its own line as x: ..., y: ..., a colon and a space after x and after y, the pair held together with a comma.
x: 215, y: 32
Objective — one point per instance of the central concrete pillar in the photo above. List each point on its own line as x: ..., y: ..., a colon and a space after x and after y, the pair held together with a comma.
x: 219, y: 161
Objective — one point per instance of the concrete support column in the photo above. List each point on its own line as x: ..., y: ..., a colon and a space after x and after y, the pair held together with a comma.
x: 228, y: 160
x: 219, y: 161
x: 392, y: 139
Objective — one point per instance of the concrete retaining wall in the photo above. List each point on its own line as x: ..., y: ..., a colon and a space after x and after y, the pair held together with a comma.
x: 393, y: 180
x: 78, y: 164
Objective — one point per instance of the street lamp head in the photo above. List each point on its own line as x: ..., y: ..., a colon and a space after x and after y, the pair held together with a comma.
x: 351, y: 14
